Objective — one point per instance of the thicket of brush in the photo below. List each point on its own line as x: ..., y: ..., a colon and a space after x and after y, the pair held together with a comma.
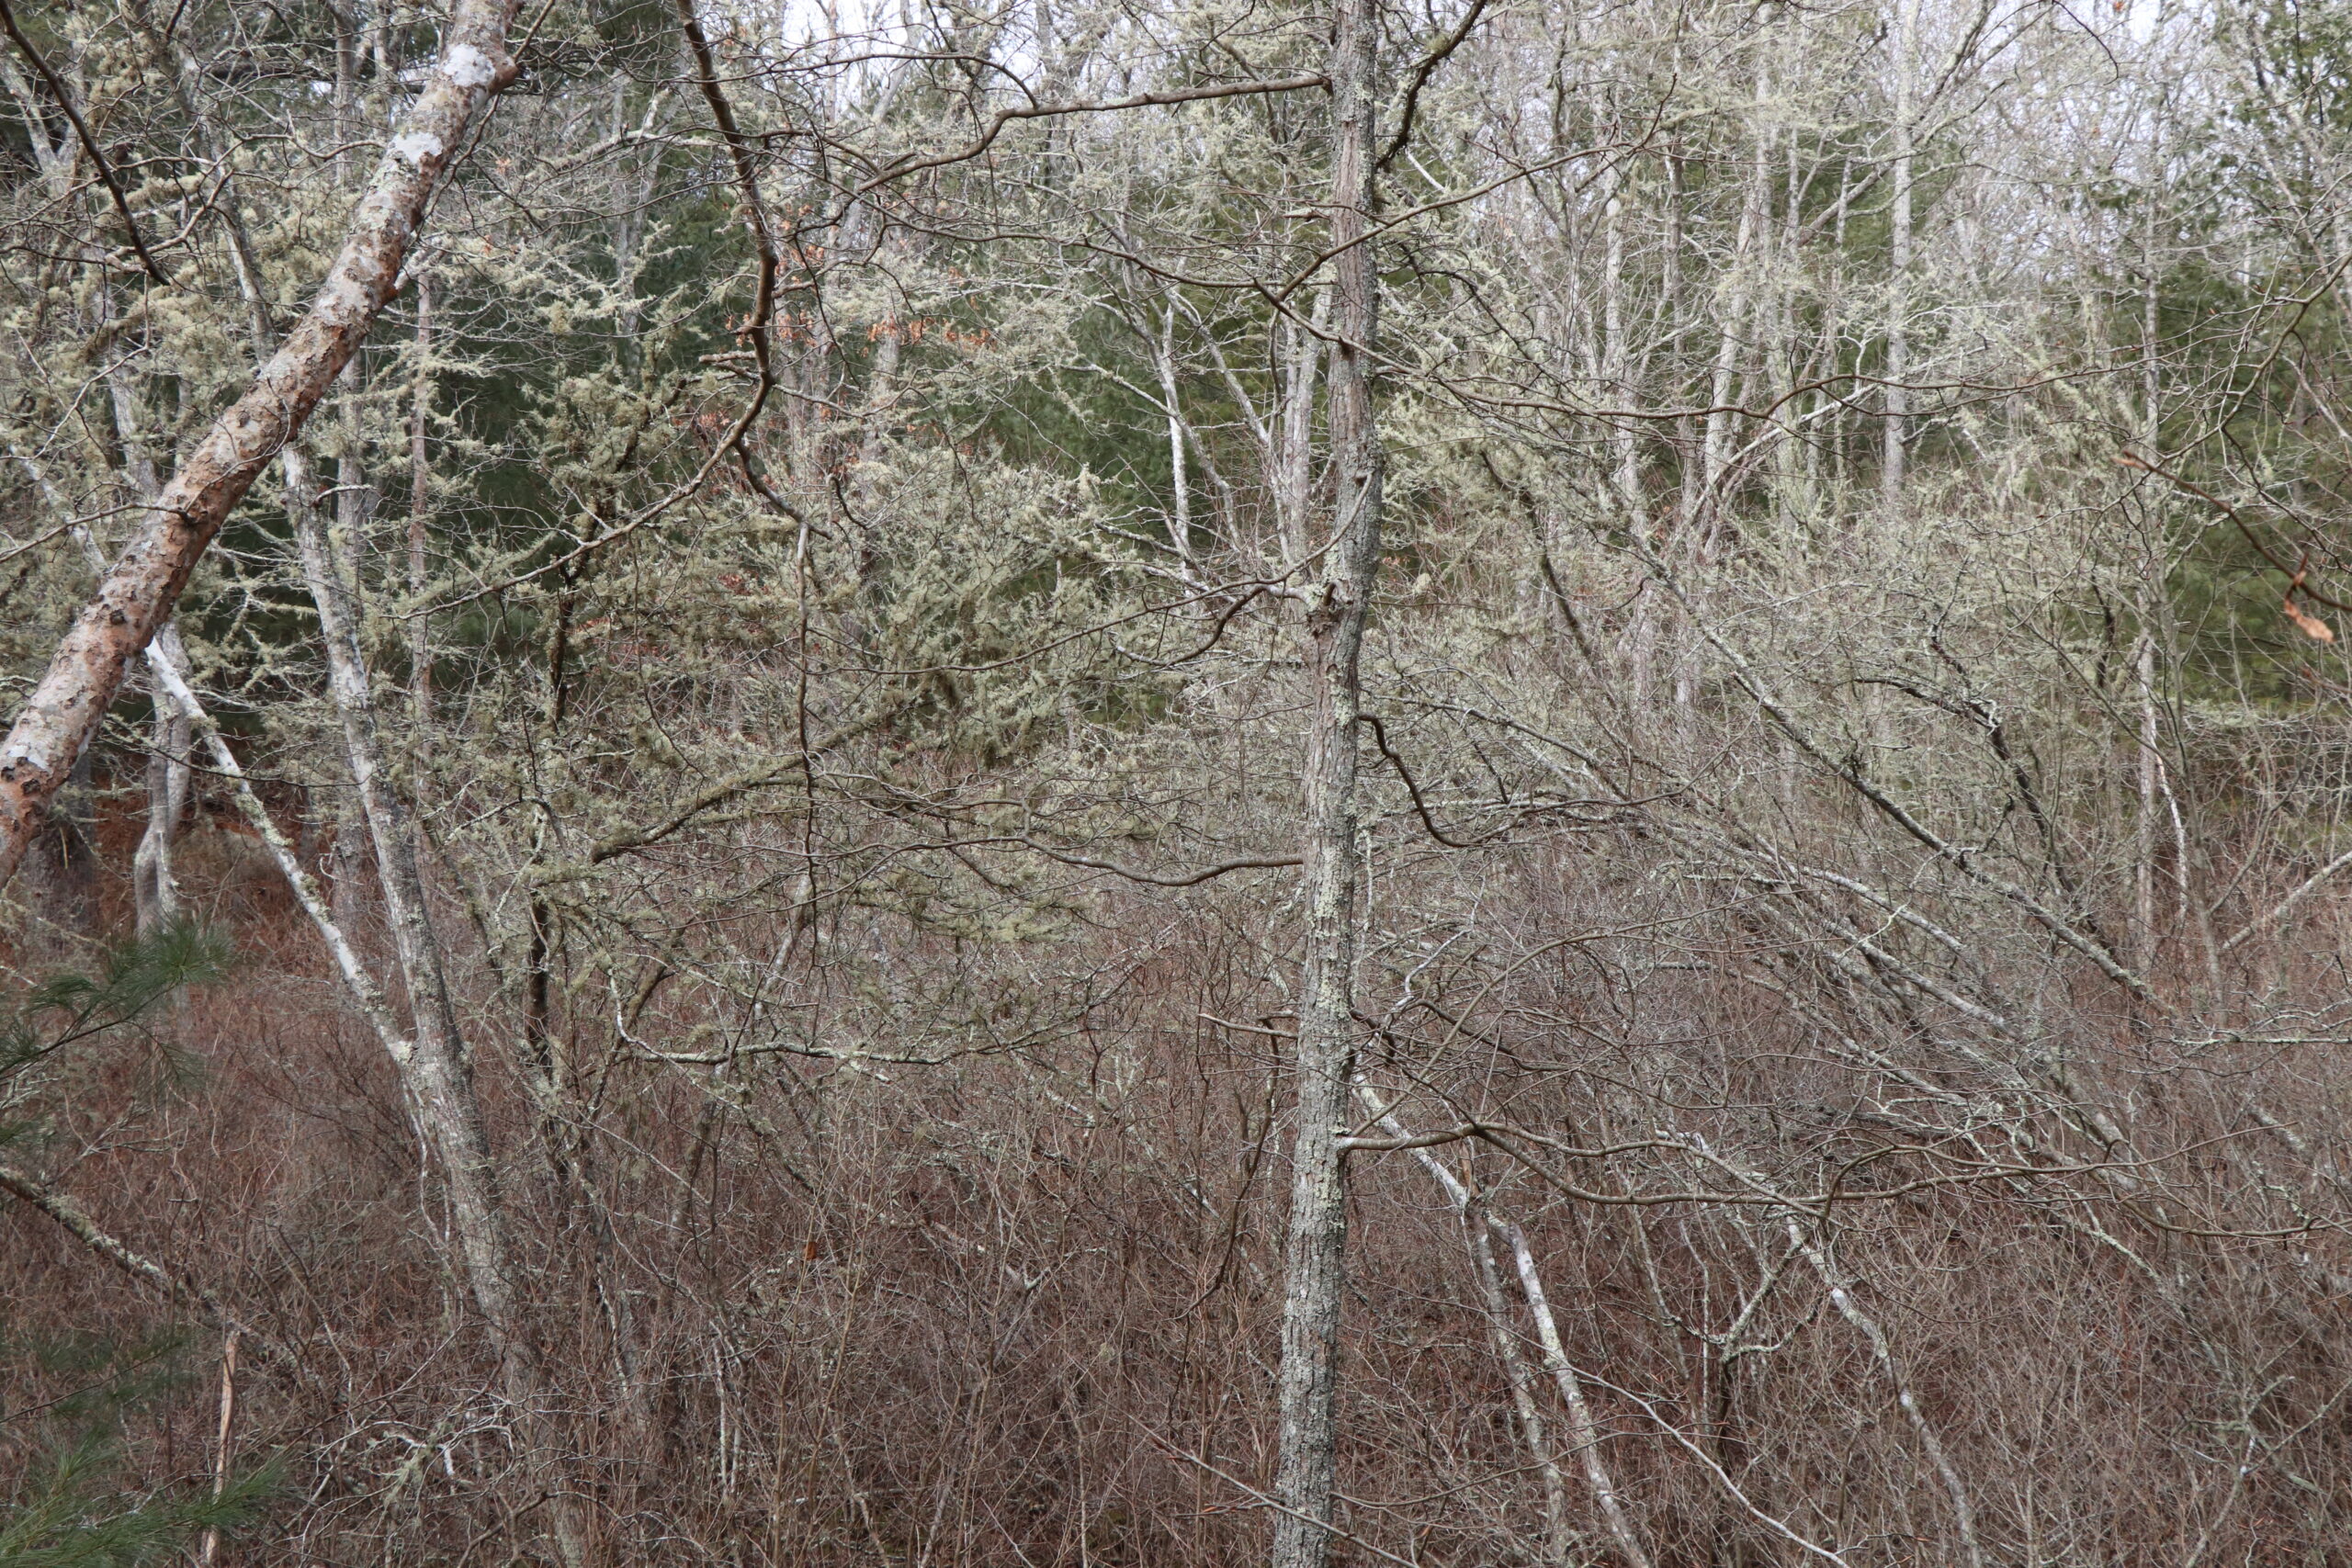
x: 1850, y: 998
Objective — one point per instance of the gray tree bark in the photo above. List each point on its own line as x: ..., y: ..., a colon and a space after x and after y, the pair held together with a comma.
x: 420, y: 504
x: 1898, y: 305
x: 436, y: 1073
x: 155, y: 891
x: 1314, y: 1258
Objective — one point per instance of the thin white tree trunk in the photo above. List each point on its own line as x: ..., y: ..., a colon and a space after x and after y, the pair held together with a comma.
x: 1478, y: 1228
x: 1180, y: 519
x: 1489, y: 1224
x: 1583, y: 1431
x: 356, y: 980
x: 139, y: 592
x: 420, y: 505
x: 1294, y: 431
x: 1618, y: 354
x: 220, y: 1448
x: 2143, y: 826
x: 1739, y: 311
x: 438, y: 1068
x: 155, y: 891
x: 1898, y: 298
x: 1736, y: 304
x: 439, y: 1077
x: 1479, y: 1234
x: 1841, y: 1296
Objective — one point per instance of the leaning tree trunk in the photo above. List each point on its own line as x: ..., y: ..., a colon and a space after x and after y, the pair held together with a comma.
x: 1313, y: 1264
x: 136, y: 595
x: 436, y: 1071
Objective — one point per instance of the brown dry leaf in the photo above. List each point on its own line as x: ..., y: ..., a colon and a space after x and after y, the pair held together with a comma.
x: 2311, y: 626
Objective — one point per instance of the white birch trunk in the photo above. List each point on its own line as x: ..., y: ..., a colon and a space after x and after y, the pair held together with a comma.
x: 138, y: 594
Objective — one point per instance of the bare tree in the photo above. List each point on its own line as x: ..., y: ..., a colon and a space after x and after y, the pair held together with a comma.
x: 138, y: 592
x: 1314, y: 1269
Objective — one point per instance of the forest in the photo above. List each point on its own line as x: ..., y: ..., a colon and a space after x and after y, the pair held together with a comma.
x: 1167, y: 784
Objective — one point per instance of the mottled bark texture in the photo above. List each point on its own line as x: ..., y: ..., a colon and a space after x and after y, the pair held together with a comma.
x: 1314, y: 1273
x: 136, y: 595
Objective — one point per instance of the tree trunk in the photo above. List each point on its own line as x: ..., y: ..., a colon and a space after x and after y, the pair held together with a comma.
x: 1584, y: 1432
x: 420, y: 502
x: 1898, y: 301
x: 1294, y: 430
x: 155, y: 893
x: 1314, y: 1256
x: 1479, y: 1226
x: 2143, y: 826
x: 138, y: 594
x: 438, y: 1069
x: 1180, y: 518
x: 436, y: 1073
x: 1841, y: 1296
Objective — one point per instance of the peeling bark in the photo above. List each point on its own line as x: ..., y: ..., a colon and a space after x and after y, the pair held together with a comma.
x: 139, y: 592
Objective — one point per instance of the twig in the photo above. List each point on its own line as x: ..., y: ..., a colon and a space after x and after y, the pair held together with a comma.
x: 1042, y: 111
x: 89, y: 142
